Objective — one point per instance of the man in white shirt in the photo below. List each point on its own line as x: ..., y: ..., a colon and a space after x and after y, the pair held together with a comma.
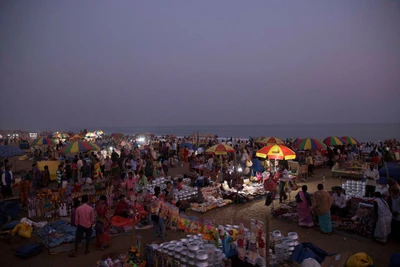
x: 339, y: 203
x: 79, y: 165
x: 371, y: 175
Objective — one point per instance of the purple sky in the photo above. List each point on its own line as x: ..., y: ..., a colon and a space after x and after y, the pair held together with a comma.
x: 122, y: 63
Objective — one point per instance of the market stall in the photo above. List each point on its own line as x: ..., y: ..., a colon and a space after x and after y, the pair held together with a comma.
x: 353, y: 169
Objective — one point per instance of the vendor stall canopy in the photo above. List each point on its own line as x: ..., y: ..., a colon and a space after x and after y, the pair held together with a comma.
x: 334, y: 141
x: 80, y: 146
x: 350, y: 140
x: 311, y: 143
x: 271, y: 141
x: 43, y: 141
x: 220, y: 149
x: 279, y: 152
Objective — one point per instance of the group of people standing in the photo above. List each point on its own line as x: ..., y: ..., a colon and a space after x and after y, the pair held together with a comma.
x: 84, y: 218
x: 322, y: 205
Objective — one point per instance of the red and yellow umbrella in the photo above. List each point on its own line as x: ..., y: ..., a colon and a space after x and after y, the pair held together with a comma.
x: 271, y: 141
x: 80, y: 146
x: 258, y: 139
x: 333, y: 141
x: 279, y: 152
x: 220, y: 149
x: 350, y: 140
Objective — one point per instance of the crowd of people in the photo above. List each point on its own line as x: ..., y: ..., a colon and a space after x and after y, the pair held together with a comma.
x: 322, y: 205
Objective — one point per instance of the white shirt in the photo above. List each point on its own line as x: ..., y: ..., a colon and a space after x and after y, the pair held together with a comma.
x: 285, y: 176
x: 79, y: 164
x: 373, y: 174
x: 339, y: 201
x: 3, y: 177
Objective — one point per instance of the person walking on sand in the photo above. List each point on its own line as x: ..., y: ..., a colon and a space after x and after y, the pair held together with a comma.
x: 84, y: 220
x: 321, y: 204
x: 303, y: 200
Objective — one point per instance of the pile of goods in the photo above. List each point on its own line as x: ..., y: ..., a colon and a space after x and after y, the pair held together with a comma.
x: 187, y: 194
x: 130, y: 259
x: 212, y: 199
x: 354, y: 188
x: 189, y: 251
x: 281, y: 248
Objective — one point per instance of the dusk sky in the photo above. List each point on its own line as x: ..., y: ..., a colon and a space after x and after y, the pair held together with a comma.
x: 121, y: 63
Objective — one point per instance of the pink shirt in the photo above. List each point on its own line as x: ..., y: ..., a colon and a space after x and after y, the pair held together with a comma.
x: 84, y: 216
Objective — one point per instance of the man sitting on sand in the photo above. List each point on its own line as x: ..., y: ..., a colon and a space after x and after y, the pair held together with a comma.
x: 339, y: 205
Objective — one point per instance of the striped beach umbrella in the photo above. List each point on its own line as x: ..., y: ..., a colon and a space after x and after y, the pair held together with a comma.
x: 311, y: 143
x: 220, y: 149
x: 79, y: 146
x: 279, y: 152
x: 333, y: 141
x: 43, y: 141
x: 271, y: 141
x: 350, y: 140
x: 296, y: 141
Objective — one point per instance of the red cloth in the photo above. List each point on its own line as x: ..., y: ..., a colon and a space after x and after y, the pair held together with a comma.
x: 121, y: 207
x: 121, y: 221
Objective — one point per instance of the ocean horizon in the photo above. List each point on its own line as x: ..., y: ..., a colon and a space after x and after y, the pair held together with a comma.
x: 361, y: 131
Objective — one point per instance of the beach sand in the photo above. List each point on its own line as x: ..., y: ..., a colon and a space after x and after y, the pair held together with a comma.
x: 231, y: 214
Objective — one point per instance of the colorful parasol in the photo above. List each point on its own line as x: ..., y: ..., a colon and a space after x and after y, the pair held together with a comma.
x: 220, y: 149
x: 271, y: 141
x: 296, y: 141
x: 350, y: 140
x: 61, y: 135
x: 258, y: 139
x: 43, y: 141
x: 79, y: 146
x: 279, y: 152
x: 99, y: 132
x: 333, y: 141
x: 311, y: 143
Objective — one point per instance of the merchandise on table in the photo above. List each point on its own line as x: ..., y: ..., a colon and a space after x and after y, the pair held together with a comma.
x: 191, y: 251
x: 130, y: 259
x: 349, y: 169
x: 354, y: 188
x: 212, y: 199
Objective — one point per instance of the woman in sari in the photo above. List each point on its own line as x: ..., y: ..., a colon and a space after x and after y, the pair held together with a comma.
x: 384, y: 219
x: 103, y: 224
x: 303, y: 200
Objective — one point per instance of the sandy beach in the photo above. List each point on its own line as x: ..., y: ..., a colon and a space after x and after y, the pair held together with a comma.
x: 232, y: 214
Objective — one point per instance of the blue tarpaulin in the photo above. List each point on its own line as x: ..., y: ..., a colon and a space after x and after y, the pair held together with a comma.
x: 393, y: 169
x: 257, y: 167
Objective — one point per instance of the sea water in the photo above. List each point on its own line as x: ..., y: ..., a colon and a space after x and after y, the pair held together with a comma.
x: 362, y: 132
